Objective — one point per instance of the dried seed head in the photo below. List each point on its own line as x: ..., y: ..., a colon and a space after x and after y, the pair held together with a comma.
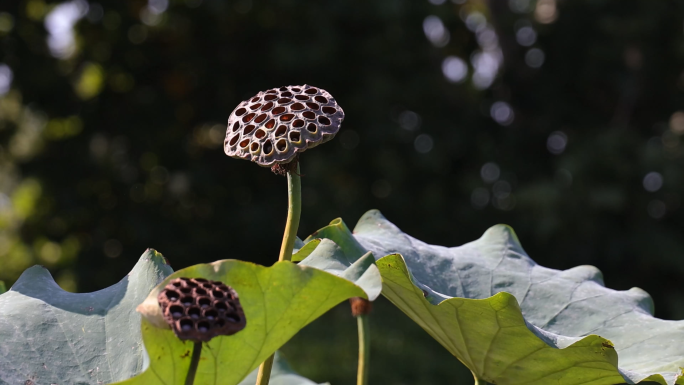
x: 275, y: 125
x: 199, y: 310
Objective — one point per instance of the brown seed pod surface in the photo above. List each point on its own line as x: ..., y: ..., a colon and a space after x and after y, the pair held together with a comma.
x: 360, y: 306
x: 199, y: 310
x: 274, y: 125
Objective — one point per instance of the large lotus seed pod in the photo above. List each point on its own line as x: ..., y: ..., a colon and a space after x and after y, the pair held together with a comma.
x: 275, y: 125
x: 199, y: 310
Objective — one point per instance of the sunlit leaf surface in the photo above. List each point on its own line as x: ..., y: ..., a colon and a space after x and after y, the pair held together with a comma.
x: 278, y: 301
x: 50, y: 336
x: 512, y: 321
x: 329, y: 257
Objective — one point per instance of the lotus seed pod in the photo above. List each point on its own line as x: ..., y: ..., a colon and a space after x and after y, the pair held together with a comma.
x: 275, y: 125
x: 199, y: 310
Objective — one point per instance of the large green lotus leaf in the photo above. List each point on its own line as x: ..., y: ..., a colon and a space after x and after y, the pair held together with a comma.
x: 3, y: 288
x: 328, y: 256
x: 50, y: 336
x: 281, y: 374
x: 278, y: 301
x: 555, y: 327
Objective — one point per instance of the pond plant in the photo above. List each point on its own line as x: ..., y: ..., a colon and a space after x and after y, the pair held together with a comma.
x: 509, y: 320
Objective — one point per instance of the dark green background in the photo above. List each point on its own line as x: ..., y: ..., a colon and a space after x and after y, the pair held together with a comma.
x: 119, y: 147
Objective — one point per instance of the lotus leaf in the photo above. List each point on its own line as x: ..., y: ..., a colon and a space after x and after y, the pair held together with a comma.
x: 278, y: 301
x: 50, y: 336
x: 512, y: 321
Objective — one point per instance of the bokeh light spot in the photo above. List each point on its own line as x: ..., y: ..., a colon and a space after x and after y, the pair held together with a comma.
x: 60, y: 26
x: 534, y: 58
x: 557, y: 142
x: 6, y: 22
x: 6, y: 76
x: 490, y: 172
x: 676, y: 120
x: 455, y: 69
x: 653, y: 181
x: 435, y: 31
x: 409, y: 120
x: 526, y: 36
x: 546, y: 11
x: 502, y: 113
x: 423, y: 143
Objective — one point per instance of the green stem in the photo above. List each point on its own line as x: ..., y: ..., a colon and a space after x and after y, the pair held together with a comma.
x: 264, y: 374
x: 194, y: 362
x: 294, y: 211
x: 364, y: 349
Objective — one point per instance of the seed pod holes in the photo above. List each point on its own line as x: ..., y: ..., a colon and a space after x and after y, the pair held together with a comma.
x: 199, y: 310
x: 275, y: 125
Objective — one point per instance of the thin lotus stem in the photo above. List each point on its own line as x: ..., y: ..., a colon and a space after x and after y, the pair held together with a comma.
x: 194, y: 362
x: 294, y: 211
x: 364, y: 349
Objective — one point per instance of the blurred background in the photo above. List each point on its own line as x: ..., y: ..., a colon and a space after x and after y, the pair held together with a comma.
x: 561, y: 118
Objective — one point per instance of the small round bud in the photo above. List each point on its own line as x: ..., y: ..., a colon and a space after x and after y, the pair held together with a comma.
x: 360, y: 306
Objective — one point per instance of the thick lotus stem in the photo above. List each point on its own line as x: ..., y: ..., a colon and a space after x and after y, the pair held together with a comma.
x: 294, y: 210
x: 194, y: 361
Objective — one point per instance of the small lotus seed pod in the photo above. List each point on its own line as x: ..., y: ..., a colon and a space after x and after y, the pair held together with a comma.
x: 360, y: 306
x: 275, y: 125
x: 199, y: 310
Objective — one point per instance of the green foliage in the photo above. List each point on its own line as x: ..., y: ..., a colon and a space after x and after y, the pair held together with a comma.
x: 560, y: 331
x: 51, y: 336
x: 491, y: 337
x: 302, y: 250
x: 329, y: 257
x: 278, y: 301
x: 338, y: 232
